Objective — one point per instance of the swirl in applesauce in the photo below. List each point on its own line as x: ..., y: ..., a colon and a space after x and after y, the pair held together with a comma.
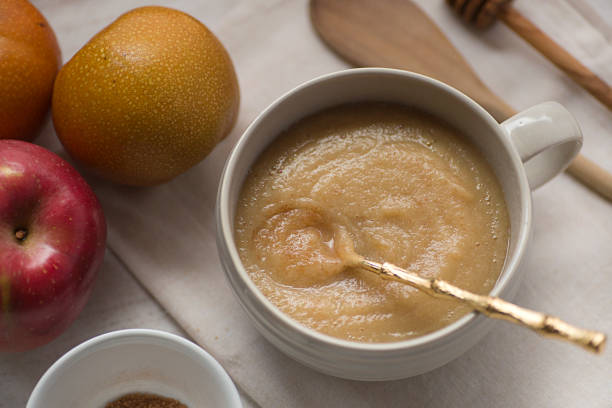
x: 391, y: 183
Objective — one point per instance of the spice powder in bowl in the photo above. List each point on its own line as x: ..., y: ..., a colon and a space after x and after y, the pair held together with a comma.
x: 145, y: 401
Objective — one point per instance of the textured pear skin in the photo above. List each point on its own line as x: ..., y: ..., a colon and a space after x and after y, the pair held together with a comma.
x: 146, y: 98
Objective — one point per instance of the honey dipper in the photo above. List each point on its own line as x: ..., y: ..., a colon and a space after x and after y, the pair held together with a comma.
x: 483, y: 13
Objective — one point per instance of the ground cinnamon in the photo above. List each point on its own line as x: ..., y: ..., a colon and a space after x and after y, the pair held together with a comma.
x: 145, y: 401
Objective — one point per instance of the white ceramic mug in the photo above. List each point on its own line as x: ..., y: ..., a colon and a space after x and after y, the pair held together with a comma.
x: 525, y: 151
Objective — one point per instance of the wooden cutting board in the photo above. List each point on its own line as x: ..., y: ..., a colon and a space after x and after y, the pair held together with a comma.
x: 398, y: 34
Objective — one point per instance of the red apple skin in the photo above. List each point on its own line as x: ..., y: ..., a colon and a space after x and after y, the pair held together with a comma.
x: 46, y: 277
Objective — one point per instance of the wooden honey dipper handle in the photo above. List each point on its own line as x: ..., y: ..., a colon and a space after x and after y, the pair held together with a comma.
x: 483, y: 13
x: 592, y: 175
x: 557, y: 55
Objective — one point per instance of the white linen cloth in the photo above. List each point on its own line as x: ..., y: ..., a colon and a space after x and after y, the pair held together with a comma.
x: 166, y: 235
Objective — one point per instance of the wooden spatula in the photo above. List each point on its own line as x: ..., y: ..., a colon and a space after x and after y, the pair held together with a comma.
x: 397, y: 34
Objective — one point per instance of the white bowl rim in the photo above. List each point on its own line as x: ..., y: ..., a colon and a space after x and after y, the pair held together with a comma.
x: 140, y: 334
x: 225, y: 233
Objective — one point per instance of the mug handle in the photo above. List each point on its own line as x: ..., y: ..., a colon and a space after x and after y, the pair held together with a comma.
x: 547, y: 138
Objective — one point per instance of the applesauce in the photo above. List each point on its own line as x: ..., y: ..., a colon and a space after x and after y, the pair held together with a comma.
x: 391, y: 184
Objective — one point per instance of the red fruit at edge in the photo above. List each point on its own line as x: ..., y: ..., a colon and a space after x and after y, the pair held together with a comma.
x: 52, y: 241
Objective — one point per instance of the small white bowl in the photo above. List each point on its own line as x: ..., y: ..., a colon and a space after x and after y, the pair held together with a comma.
x: 106, y: 367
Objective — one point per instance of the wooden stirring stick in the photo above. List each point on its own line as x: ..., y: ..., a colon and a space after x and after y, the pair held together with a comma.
x: 397, y: 34
x: 482, y: 13
x: 492, y: 306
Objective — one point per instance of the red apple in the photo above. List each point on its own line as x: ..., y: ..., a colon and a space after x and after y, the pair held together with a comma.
x: 52, y: 240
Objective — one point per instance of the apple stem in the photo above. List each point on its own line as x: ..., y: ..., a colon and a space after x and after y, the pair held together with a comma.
x: 21, y: 234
